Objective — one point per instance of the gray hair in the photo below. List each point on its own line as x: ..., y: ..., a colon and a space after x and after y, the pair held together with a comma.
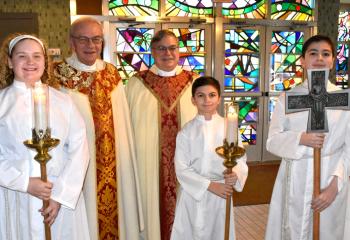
x: 81, y: 21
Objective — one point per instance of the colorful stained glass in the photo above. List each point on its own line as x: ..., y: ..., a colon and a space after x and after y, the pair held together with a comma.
x: 133, y: 7
x: 255, y: 9
x: 300, y: 10
x: 272, y: 105
x: 241, y: 60
x: 342, y: 65
x: 133, y: 50
x: 344, y: 27
x: 248, y: 117
x: 286, y: 71
x: 192, y: 51
x: 190, y: 8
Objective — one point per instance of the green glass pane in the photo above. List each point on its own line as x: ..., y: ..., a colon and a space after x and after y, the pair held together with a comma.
x: 133, y: 7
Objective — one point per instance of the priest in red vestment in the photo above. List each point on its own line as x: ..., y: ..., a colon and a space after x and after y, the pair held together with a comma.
x: 111, y: 187
x: 160, y: 103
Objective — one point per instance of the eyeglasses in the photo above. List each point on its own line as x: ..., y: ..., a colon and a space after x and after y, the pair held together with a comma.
x: 86, y: 40
x: 172, y: 48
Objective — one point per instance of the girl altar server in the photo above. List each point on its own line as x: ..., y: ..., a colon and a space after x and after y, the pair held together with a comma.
x: 25, y: 64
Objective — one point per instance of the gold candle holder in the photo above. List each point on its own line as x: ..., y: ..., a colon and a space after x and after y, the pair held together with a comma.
x: 43, y: 143
x: 230, y: 152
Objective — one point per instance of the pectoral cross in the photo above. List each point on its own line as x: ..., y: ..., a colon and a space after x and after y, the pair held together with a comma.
x: 317, y: 101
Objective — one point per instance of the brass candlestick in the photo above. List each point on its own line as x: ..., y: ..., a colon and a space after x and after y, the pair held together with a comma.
x: 230, y: 153
x: 43, y: 143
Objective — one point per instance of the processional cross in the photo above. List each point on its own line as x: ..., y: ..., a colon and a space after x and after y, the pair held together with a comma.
x: 316, y: 102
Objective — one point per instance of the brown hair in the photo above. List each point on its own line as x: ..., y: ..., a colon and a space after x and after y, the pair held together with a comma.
x: 162, y: 34
x: 318, y: 38
x: 205, y: 81
x: 7, y: 74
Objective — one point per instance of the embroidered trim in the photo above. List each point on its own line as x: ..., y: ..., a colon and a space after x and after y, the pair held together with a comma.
x: 71, y: 78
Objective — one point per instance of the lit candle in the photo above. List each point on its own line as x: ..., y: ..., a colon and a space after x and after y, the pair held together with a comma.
x: 232, y: 125
x: 40, y: 99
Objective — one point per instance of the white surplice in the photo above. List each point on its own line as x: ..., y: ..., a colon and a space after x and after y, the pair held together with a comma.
x: 130, y: 218
x: 290, y: 214
x: 145, y: 116
x: 19, y: 216
x: 200, y: 214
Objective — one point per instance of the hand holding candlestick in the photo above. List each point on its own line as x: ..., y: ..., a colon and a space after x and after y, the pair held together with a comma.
x: 230, y: 151
x: 41, y: 136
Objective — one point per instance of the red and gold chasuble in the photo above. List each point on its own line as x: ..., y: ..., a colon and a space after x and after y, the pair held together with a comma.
x: 168, y: 91
x: 98, y: 87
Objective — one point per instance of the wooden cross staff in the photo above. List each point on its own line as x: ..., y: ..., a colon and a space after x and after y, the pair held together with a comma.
x: 316, y: 102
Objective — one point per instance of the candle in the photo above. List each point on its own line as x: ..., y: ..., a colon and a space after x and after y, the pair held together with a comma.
x: 40, y: 102
x: 232, y: 125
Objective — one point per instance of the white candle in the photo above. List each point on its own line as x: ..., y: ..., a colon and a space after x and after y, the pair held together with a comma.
x: 40, y: 99
x: 232, y: 125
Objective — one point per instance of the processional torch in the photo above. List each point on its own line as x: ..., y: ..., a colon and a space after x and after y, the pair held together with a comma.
x: 230, y: 151
x: 41, y: 136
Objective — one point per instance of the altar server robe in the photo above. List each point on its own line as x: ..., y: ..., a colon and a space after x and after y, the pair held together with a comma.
x: 200, y: 214
x: 290, y: 214
x: 19, y: 215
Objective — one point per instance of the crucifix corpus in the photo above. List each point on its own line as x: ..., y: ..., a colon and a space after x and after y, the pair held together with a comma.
x: 316, y: 102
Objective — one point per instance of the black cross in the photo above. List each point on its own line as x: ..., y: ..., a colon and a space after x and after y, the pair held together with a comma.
x: 317, y: 101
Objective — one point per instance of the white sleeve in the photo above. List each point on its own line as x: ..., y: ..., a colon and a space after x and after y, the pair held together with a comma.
x: 11, y: 177
x: 14, y: 173
x: 192, y: 182
x: 241, y: 170
x: 68, y: 185
x: 282, y: 141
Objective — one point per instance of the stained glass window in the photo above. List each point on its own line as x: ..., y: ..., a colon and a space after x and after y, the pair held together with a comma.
x: 343, y: 27
x: 241, y: 61
x: 300, y: 10
x: 191, y: 42
x: 286, y: 71
x: 342, y: 62
x: 133, y: 50
x: 134, y: 53
x: 342, y: 65
x: 255, y: 9
x: 133, y: 7
x: 248, y: 117
x: 190, y: 8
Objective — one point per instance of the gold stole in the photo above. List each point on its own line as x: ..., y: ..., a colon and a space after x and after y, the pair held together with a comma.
x: 98, y: 87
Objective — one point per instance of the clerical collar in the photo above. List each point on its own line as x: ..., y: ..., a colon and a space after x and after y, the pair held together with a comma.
x: 74, y: 62
x: 162, y: 73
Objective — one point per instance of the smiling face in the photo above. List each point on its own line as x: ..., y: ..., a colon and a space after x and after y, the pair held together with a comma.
x: 166, y: 53
x: 89, y: 50
x: 206, y: 99
x: 27, y: 61
x: 317, y: 56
